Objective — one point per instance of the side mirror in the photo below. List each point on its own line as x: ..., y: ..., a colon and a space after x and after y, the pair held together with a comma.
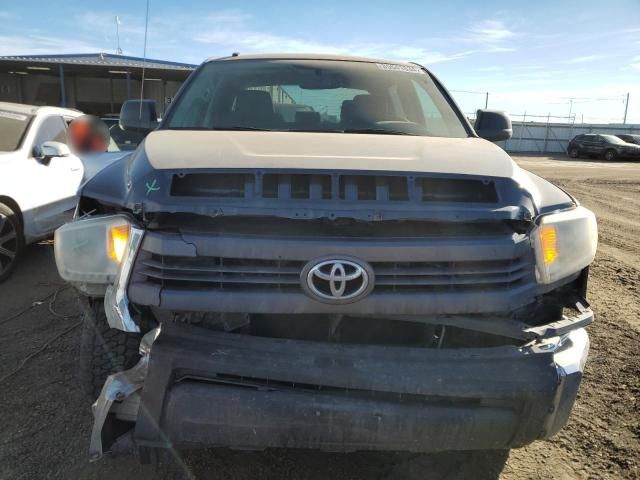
x: 49, y: 150
x: 493, y: 125
x: 139, y: 116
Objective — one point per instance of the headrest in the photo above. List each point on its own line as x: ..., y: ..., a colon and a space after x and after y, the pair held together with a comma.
x: 254, y: 102
x: 308, y: 118
x: 370, y: 107
x: 346, y: 111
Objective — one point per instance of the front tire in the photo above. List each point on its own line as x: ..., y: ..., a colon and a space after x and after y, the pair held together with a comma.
x: 103, y: 350
x: 610, y: 155
x: 11, y: 240
x: 479, y: 465
x: 574, y: 152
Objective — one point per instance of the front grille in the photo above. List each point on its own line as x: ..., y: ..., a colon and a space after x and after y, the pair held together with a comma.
x: 334, y: 187
x: 233, y: 274
x: 221, y: 273
x: 450, y: 276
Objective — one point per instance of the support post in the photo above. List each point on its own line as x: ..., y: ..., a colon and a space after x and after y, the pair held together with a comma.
x: 63, y: 96
x: 486, y: 100
x: 524, y: 118
x: 546, y: 134
x: 111, y: 95
x: 164, y: 97
x: 128, y: 85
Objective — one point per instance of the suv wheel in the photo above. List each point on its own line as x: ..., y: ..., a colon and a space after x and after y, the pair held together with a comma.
x: 103, y: 350
x: 574, y: 152
x: 610, y: 155
x: 462, y: 465
x: 11, y: 240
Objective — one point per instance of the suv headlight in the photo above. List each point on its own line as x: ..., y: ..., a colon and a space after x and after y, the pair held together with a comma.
x: 90, y: 251
x: 564, y: 243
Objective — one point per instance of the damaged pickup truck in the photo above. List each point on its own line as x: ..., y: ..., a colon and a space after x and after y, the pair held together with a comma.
x: 367, y: 272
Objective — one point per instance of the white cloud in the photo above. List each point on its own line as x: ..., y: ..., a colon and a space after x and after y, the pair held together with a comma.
x: 235, y: 34
x: 40, y: 44
x: 489, y: 32
x: 491, y: 68
x: 586, y: 58
x: 225, y: 31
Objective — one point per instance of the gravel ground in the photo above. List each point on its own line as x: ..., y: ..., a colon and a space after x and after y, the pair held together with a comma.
x: 45, y: 421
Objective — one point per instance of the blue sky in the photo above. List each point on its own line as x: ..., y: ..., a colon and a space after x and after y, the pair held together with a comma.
x: 531, y: 56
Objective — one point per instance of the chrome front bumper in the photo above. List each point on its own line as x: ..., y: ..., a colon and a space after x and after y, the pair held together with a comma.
x: 116, y: 302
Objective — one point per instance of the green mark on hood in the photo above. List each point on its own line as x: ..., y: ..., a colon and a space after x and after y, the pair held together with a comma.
x: 152, y: 188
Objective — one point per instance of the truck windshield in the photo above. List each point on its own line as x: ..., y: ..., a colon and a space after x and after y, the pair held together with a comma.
x: 12, y: 129
x: 314, y: 96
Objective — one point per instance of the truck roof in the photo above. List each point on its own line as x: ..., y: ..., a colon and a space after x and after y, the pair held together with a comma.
x: 35, y: 109
x: 305, y: 56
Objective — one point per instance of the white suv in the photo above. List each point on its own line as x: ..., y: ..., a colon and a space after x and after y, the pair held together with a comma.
x: 39, y: 176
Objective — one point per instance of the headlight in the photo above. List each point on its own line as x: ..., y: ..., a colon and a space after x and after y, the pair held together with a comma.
x: 564, y: 243
x: 90, y: 251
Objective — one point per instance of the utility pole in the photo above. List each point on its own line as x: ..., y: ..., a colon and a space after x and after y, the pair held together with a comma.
x: 570, y: 109
x: 486, y: 101
x: 118, y: 50
x: 626, y: 109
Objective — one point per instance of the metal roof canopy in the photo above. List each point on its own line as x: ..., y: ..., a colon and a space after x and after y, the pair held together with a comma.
x: 97, y: 64
x: 100, y: 59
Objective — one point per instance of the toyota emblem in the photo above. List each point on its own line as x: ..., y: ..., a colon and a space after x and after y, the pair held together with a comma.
x: 337, y: 280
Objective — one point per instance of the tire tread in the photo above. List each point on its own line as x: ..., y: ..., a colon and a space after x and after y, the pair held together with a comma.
x: 103, y: 350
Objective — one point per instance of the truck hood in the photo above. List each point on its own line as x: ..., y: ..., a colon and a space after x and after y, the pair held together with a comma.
x: 180, y: 149
x: 148, y: 180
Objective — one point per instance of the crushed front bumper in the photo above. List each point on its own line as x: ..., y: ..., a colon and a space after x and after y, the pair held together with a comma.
x: 214, y: 389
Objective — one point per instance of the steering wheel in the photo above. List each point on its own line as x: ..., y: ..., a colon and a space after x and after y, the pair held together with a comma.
x: 406, y: 126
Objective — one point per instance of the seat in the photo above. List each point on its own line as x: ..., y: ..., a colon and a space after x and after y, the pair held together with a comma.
x: 370, y: 108
x: 255, y: 108
x: 364, y: 111
x: 307, y: 120
x: 346, y: 113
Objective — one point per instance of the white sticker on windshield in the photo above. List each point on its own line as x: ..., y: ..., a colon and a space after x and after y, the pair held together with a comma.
x: 13, y: 116
x: 394, y: 67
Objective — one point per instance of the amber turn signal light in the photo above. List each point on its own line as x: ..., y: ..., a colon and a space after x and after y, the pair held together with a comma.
x: 117, y: 242
x: 549, y: 243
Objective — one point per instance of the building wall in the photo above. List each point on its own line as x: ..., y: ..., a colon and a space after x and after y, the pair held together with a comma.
x: 10, y: 88
x: 90, y: 94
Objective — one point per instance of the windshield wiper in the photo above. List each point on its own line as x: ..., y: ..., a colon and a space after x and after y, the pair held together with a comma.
x: 375, y: 130
x: 247, y: 129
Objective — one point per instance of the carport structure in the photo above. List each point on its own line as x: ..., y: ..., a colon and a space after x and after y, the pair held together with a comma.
x: 95, y: 83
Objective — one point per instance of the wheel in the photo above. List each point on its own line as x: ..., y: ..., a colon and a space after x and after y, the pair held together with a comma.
x: 479, y: 465
x: 610, y: 155
x: 11, y: 240
x: 574, y: 152
x: 103, y: 350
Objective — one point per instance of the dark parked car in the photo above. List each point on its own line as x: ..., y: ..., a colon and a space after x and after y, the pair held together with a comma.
x: 608, y: 147
x: 629, y: 138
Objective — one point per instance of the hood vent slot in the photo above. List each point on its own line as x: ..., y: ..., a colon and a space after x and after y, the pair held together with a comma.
x: 336, y: 187
x: 457, y: 190
x: 211, y: 185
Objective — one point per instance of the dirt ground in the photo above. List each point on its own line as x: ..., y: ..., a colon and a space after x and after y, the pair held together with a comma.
x: 45, y: 422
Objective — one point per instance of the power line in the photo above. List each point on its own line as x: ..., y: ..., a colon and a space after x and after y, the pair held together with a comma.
x: 468, y: 91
